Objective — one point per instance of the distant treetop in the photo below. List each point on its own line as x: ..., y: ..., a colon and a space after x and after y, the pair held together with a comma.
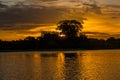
x: 70, y: 28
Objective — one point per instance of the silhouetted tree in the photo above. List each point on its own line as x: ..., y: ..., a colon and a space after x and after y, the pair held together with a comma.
x: 112, y: 43
x: 52, y: 40
x: 70, y: 28
x: 30, y: 42
x: 49, y: 39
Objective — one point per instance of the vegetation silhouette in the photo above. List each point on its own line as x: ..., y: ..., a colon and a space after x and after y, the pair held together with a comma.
x: 53, y: 40
x: 70, y: 28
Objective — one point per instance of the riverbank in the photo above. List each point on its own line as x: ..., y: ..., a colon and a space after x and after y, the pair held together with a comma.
x: 55, y: 50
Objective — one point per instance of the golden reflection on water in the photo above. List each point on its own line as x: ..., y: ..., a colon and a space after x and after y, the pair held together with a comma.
x: 85, y: 65
x: 60, y: 66
x: 89, y: 68
x: 36, y: 66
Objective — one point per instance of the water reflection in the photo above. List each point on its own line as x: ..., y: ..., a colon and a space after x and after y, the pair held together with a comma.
x: 60, y: 71
x: 81, y: 65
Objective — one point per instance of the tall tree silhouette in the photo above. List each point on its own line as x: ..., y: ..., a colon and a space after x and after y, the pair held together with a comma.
x: 70, y: 28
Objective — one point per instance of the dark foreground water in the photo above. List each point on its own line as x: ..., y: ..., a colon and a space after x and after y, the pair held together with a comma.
x: 58, y: 65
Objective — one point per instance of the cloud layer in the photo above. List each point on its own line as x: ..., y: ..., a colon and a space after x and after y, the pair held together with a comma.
x: 23, y: 15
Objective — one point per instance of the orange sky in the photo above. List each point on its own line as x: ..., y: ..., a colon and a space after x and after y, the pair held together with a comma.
x: 100, y: 19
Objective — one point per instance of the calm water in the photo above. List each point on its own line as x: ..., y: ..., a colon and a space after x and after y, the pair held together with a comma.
x: 58, y: 65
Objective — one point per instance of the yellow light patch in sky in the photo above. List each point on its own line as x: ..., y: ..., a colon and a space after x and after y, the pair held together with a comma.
x: 44, y: 28
x: 101, y: 23
x: 9, y: 35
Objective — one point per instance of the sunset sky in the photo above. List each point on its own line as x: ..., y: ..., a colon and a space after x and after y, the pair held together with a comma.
x: 21, y: 18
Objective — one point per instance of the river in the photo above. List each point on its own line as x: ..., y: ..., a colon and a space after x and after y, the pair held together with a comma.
x: 60, y: 65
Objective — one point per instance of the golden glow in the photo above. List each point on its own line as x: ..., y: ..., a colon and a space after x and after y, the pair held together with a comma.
x: 99, y: 23
x: 61, y: 57
x: 44, y: 28
x: 62, y: 35
x: 9, y: 35
x: 60, y: 65
x: 89, y: 66
x: 36, y: 55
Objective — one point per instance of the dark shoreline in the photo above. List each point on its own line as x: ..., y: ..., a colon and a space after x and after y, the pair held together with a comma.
x: 52, y: 42
x: 42, y: 50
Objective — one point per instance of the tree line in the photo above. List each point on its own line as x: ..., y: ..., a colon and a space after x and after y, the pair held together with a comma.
x: 67, y: 38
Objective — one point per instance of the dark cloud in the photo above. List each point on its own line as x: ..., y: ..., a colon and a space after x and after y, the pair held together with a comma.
x: 93, y: 8
x: 16, y: 15
x: 116, y: 35
x: 3, y: 5
x: 112, y: 9
x: 16, y: 26
x: 97, y: 33
x: 90, y: 6
x: 101, y: 35
x: 22, y: 13
x: 32, y: 14
x: 113, y: 6
x: 116, y: 16
x: 6, y: 27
